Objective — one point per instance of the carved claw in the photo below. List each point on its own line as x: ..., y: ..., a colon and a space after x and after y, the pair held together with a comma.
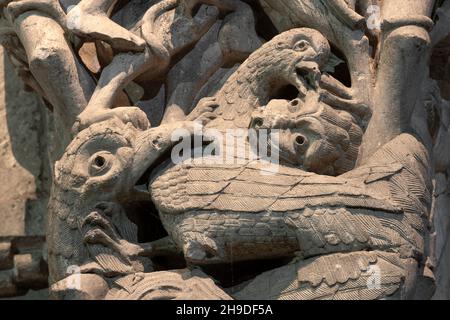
x: 123, y: 247
x: 337, y: 95
x: 132, y: 115
x: 101, y: 218
x: 98, y: 236
x: 99, y: 230
x: 95, y: 219
x: 204, y: 111
x: 51, y: 7
x: 162, y: 247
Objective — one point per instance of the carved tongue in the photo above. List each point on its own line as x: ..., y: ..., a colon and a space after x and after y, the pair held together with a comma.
x: 308, y: 74
x: 303, y: 88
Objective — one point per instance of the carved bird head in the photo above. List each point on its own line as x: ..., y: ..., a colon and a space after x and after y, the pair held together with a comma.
x: 298, y: 55
x: 312, y: 135
x: 95, y: 180
x: 101, y: 162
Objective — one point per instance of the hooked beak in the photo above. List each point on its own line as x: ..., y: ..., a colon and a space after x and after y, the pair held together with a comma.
x: 306, y: 77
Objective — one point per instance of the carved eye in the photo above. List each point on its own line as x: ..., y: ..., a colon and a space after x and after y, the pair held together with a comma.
x: 294, y: 105
x: 300, y: 140
x: 257, y: 123
x: 100, y: 163
x: 301, y: 45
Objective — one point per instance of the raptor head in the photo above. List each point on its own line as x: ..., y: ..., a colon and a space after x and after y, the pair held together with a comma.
x: 103, y: 162
x: 312, y: 135
x: 300, y: 54
x: 95, y: 186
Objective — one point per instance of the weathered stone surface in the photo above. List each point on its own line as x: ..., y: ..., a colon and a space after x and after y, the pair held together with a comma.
x: 355, y: 205
x: 22, y: 211
x: 25, y: 183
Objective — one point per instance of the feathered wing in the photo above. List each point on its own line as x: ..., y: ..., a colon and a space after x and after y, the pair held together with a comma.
x: 351, y: 276
x: 251, y: 187
x: 361, y: 210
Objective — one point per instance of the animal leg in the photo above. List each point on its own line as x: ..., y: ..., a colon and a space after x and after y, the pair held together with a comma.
x: 108, y: 237
x: 161, y: 247
x: 123, y: 247
x: 123, y: 69
x: 90, y: 19
x: 51, y: 7
x: 54, y: 65
x: 184, y: 28
x: 99, y: 230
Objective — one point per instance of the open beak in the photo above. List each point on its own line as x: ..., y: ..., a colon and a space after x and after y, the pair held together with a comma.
x: 306, y: 76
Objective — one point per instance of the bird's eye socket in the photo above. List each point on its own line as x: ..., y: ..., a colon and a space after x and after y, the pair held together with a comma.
x: 301, y: 45
x: 294, y: 105
x: 300, y: 140
x: 257, y: 123
x: 100, y: 163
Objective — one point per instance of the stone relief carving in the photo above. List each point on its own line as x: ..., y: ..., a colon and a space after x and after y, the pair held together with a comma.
x: 345, y: 215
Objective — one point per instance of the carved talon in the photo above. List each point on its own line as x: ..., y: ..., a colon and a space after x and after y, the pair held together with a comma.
x: 162, y: 247
x: 98, y: 236
x: 95, y: 219
x: 331, y: 84
x: 123, y: 247
x: 101, y: 231
x: 100, y: 220
x: 204, y: 111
